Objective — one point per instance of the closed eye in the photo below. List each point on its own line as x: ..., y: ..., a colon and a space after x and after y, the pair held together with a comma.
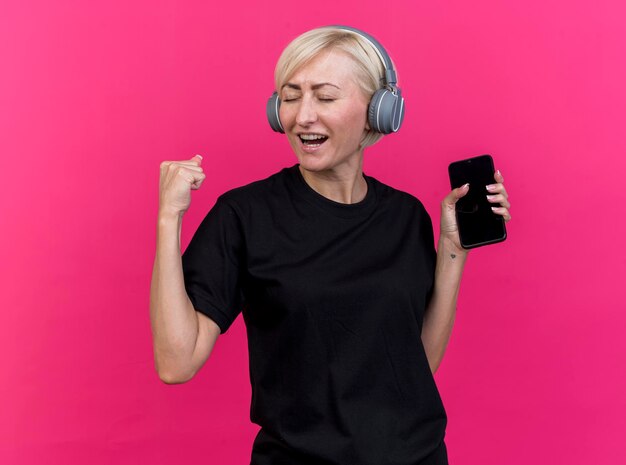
x: 297, y: 98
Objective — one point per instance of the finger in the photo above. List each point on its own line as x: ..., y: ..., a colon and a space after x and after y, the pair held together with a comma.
x: 176, y: 168
x: 498, y: 177
x: 190, y: 175
x: 198, y: 182
x: 504, y: 212
x: 186, y: 163
x: 499, y: 198
x: 192, y: 167
x: 497, y: 189
x: 192, y: 162
x: 196, y: 160
x: 461, y: 191
x: 456, y: 194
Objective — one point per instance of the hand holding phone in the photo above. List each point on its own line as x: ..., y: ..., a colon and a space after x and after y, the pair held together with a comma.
x: 477, y: 223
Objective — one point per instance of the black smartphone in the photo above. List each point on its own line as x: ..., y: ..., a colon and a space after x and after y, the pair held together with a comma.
x: 478, y: 224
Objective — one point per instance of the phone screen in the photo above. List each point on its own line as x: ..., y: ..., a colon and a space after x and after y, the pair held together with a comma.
x: 478, y: 224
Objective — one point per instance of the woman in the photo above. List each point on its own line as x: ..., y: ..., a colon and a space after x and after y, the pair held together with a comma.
x: 347, y: 305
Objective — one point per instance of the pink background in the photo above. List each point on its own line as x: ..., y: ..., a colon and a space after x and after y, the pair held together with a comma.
x: 94, y: 95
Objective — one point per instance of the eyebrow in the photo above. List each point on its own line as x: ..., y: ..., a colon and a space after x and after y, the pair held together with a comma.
x: 314, y: 86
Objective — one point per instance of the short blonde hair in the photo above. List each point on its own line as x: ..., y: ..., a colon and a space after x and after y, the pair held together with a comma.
x: 370, y: 71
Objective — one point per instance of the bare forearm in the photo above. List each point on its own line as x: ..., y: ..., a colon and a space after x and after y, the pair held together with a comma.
x: 441, y: 310
x: 172, y: 316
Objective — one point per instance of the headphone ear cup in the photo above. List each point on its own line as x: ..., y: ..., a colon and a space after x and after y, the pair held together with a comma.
x: 372, y: 111
x: 386, y: 111
x: 273, y: 104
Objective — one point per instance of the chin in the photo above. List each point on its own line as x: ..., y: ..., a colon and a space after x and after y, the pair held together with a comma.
x: 312, y: 162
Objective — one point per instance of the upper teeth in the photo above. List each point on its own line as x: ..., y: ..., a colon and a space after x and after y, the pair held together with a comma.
x: 311, y: 136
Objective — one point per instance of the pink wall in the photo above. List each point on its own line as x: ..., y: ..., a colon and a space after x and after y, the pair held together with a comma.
x: 94, y: 95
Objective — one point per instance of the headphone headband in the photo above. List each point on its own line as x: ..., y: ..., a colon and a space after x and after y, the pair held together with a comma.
x: 390, y: 73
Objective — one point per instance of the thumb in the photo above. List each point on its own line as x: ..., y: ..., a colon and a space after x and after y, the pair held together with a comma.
x: 457, y: 193
x: 197, y: 157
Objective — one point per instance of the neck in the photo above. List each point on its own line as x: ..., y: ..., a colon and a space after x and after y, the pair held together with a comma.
x: 344, y: 186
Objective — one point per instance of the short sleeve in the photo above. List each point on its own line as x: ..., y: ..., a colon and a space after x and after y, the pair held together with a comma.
x: 213, y: 265
x: 430, y: 254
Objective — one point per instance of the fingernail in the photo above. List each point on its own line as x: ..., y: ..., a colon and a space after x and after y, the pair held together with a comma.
x: 466, y: 185
x: 498, y: 171
x: 199, y: 156
x: 490, y: 187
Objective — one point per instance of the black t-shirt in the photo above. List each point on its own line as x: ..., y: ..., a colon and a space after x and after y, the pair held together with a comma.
x: 333, y: 298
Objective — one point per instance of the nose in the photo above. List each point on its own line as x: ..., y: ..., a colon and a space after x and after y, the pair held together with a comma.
x: 306, y: 113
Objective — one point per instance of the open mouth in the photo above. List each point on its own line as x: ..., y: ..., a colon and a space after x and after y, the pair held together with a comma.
x: 312, y: 140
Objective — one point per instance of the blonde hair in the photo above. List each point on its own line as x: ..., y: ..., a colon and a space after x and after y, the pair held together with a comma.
x: 368, y: 66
